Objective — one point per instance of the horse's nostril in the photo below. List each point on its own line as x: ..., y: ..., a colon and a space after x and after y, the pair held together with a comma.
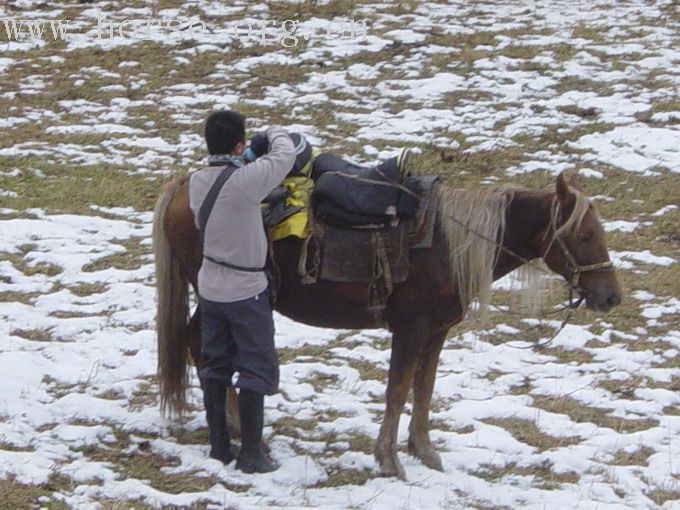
x: 614, y: 300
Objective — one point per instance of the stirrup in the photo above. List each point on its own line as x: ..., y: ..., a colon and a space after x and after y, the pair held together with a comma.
x: 405, y: 163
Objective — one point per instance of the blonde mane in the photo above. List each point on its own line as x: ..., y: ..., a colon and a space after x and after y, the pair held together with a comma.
x: 473, y: 223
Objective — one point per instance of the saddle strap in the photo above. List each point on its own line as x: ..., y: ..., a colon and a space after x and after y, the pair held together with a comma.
x: 309, y: 276
x: 381, y: 285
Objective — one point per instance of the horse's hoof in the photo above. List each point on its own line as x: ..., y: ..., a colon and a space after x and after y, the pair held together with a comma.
x: 433, y: 461
x: 393, y: 470
x: 234, y: 431
x: 426, y: 455
x: 389, y: 464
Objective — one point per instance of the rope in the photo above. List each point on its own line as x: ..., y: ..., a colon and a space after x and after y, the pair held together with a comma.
x: 540, y: 345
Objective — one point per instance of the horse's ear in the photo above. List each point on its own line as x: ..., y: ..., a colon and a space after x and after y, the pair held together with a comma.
x: 562, y: 190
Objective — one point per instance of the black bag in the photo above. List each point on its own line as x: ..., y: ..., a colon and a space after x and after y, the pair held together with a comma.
x: 347, y: 195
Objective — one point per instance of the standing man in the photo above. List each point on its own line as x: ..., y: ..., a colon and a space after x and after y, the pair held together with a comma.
x: 237, y: 328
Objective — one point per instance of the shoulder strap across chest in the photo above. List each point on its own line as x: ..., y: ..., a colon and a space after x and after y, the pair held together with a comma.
x: 204, y: 214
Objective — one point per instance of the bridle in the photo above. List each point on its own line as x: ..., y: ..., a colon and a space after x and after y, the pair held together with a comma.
x: 573, y: 269
x: 572, y: 273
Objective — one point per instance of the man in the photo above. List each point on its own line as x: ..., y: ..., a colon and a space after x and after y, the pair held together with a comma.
x: 237, y: 328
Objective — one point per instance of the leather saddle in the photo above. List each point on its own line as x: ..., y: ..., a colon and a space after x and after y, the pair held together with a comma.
x: 375, y: 253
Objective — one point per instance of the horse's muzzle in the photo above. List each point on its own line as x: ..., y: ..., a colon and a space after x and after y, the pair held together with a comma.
x: 602, y: 303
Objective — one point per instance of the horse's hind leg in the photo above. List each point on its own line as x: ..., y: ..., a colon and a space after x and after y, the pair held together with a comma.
x: 407, y: 342
x: 233, y: 418
x: 419, y: 444
x: 194, y: 334
x: 194, y: 337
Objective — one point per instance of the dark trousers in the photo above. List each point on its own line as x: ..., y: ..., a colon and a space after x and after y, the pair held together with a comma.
x: 239, y: 337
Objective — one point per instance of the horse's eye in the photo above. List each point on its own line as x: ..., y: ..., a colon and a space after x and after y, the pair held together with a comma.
x: 584, y: 236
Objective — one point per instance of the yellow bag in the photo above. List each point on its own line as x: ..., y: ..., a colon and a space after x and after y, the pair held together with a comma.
x: 300, y: 188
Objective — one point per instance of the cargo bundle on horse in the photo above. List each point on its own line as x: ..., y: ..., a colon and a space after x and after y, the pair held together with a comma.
x: 476, y: 237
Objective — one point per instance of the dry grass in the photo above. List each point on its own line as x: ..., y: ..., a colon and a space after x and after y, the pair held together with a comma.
x: 320, y: 381
x: 341, y: 476
x: 636, y: 457
x: 542, y: 474
x: 29, y: 268
x: 527, y: 432
x: 146, y: 395
x: 142, y: 464
x: 582, y: 413
x: 623, y: 388
x: 368, y: 370
x: 111, y: 394
x: 36, y: 335
x: 132, y: 258
x: 661, y: 496
x: 19, y: 496
x: 84, y: 289
x: 360, y: 442
x: 8, y: 296
x: 575, y: 356
x: 73, y: 189
x: 11, y: 447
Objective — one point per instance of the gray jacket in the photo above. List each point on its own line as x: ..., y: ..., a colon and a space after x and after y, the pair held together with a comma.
x: 234, y: 232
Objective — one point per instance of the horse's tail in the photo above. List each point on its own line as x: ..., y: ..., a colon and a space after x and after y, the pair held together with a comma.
x: 172, y: 317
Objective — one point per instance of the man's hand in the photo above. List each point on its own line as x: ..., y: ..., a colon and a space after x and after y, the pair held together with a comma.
x: 259, y: 144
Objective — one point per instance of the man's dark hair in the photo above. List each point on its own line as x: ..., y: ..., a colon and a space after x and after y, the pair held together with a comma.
x: 223, y: 130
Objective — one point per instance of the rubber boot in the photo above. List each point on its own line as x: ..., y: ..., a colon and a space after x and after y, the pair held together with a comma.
x: 215, y: 401
x: 252, y: 459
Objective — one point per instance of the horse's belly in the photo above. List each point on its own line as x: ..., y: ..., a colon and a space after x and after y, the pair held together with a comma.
x: 324, y: 321
x: 328, y: 305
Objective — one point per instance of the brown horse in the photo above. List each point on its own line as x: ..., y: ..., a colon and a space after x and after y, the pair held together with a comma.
x: 479, y: 237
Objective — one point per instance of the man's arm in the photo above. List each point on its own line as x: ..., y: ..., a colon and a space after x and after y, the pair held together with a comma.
x: 258, y: 178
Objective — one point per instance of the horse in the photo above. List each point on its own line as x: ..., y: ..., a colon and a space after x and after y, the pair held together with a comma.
x: 479, y: 236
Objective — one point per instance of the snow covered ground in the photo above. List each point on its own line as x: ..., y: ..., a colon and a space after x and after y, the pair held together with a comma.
x: 490, y: 92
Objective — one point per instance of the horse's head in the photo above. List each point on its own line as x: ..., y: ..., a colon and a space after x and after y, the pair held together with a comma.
x: 575, y: 248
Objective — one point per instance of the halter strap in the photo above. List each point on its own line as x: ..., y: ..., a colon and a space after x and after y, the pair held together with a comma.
x: 574, y: 269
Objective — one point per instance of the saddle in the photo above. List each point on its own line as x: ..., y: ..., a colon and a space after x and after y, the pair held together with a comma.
x: 377, y: 253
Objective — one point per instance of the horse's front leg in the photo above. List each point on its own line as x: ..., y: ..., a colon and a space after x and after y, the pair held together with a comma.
x: 407, y: 343
x: 419, y: 444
